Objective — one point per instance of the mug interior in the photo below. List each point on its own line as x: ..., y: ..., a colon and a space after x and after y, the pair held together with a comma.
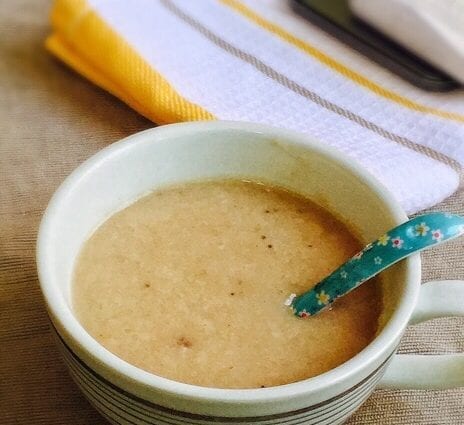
x: 128, y: 170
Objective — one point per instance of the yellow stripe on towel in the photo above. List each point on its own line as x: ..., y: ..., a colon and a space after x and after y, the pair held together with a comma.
x: 86, y: 43
x: 337, y: 66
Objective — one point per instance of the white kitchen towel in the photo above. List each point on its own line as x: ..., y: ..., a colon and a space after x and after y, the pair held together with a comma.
x: 256, y: 60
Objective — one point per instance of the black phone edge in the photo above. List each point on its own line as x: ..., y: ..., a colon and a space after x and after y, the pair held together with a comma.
x: 346, y: 37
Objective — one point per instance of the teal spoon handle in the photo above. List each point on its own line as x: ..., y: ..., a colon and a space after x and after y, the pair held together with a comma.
x: 421, y: 232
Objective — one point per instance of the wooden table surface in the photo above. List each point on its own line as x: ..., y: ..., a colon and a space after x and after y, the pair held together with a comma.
x: 50, y: 121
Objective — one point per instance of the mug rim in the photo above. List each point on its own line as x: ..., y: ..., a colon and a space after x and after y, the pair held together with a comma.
x: 61, y: 311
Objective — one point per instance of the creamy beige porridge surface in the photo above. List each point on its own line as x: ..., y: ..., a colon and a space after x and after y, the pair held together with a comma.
x: 189, y: 283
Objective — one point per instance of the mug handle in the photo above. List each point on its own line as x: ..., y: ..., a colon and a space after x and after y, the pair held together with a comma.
x: 414, y: 371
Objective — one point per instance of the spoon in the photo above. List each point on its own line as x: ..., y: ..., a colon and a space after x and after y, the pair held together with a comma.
x: 415, y: 235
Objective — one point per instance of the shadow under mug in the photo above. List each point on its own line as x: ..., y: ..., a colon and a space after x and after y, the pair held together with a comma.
x: 126, y: 170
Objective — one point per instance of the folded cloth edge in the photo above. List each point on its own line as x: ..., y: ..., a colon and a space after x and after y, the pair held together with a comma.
x: 98, y: 47
x: 87, y: 43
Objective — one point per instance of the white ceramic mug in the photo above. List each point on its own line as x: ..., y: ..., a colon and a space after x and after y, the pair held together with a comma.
x: 126, y: 170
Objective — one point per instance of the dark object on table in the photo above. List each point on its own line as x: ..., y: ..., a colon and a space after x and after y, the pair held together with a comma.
x: 335, y: 17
